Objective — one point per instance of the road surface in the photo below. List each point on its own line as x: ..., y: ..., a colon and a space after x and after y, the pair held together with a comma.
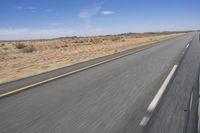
x: 109, y: 98
x: 172, y: 115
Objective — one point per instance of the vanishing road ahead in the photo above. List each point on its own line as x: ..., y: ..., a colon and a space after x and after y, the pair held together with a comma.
x: 109, y: 98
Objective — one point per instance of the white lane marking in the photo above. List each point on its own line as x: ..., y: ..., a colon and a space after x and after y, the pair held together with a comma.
x: 159, y: 94
x: 199, y: 117
x: 144, y: 121
x: 191, y: 100
x: 199, y: 110
x: 188, y: 45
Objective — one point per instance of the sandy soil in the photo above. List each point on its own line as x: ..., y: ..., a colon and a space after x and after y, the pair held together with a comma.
x: 27, y: 58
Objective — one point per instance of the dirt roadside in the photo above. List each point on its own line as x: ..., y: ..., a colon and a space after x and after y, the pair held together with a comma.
x: 27, y: 58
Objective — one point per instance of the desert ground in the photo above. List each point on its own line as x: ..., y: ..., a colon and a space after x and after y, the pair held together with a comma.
x: 19, y: 59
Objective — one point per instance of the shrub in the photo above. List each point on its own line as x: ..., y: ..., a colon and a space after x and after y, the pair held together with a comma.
x: 65, y: 45
x: 114, y: 39
x: 95, y: 40
x: 78, y: 41
x: 5, y: 48
x: 3, y: 55
x: 123, y: 40
x: 20, y: 46
x: 2, y: 44
x: 29, y: 49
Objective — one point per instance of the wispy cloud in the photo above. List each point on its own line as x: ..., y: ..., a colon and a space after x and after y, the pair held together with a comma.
x: 17, y: 34
x: 49, y: 10
x: 56, y: 24
x: 107, y: 12
x: 88, y: 13
x: 22, y: 34
x: 29, y: 8
x: 19, y: 7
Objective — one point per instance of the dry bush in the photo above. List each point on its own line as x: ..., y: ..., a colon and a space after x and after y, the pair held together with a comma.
x: 90, y: 40
x: 115, y: 39
x: 29, y: 49
x: 65, y: 45
x: 56, y: 47
x: 20, y: 45
x: 123, y: 40
x: 2, y: 44
x: 5, y: 48
x: 138, y: 36
x: 3, y: 55
x: 98, y: 40
x: 78, y: 41
x: 95, y: 40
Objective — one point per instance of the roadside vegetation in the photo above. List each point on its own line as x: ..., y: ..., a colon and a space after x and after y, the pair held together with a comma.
x: 26, y: 58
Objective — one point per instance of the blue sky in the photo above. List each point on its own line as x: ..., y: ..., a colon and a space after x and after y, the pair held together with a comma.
x: 35, y: 19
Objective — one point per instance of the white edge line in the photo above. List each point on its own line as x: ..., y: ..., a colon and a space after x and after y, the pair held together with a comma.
x: 144, y: 121
x: 187, y: 45
x: 199, y: 111
x: 158, y: 96
x: 162, y: 89
x: 191, y: 100
x: 199, y: 117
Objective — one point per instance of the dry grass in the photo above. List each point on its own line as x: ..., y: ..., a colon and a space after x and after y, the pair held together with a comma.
x: 26, y: 58
x: 20, y: 45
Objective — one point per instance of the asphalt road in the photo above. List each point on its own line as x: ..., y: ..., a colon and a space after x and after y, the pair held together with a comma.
x: 172, y: 114
x: 109, y: 98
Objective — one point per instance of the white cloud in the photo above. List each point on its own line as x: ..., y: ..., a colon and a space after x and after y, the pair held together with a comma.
x: 23, y: 34
x: 49, y: 10
x: 17, y: 34
x: 56, y: 24
x: 87, y: 14
x: 107, y: 12
x: 19, y: 7
x: 30, y: 8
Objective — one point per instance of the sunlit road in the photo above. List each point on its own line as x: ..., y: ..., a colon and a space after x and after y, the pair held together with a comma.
x: 109, y: 98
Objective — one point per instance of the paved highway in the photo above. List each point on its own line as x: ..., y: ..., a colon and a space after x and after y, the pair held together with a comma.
x: 110, y: 98
x: 172, y: 115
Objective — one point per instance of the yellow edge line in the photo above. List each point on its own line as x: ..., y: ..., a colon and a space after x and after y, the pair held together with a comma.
x: 66, y: 74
